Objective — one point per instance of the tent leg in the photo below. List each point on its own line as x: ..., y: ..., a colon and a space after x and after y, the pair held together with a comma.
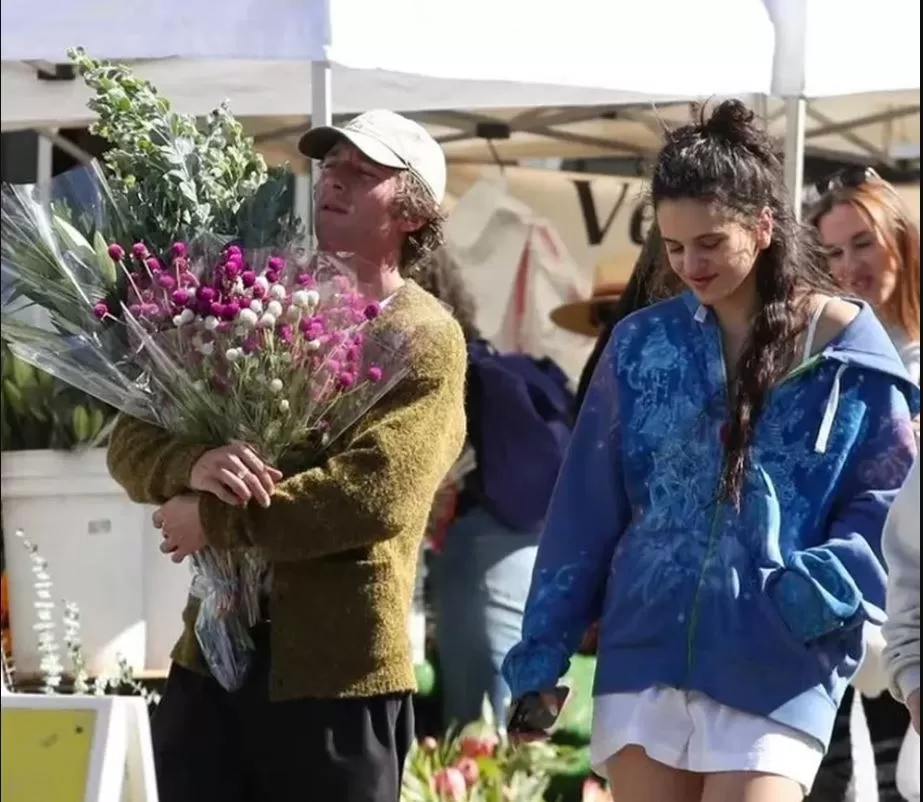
x: 795, y: 117
x: 321, y: 114
x: 44, y: 166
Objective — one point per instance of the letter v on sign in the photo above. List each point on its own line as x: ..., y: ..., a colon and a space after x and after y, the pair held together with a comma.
x: 596, y: 231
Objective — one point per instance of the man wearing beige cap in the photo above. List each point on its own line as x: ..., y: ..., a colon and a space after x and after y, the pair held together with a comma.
x: 325, y: 712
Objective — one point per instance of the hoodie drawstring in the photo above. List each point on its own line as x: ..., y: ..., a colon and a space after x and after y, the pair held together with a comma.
x: 826, y: 423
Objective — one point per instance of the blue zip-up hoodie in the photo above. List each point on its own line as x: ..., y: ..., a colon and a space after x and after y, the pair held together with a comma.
x: 760, y: 608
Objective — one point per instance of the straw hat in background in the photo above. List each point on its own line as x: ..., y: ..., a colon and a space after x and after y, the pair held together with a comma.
x: 609, y: 282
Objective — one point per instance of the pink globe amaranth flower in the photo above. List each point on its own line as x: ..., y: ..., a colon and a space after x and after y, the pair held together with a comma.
x: 372, y: 311
x: 352, y: 354
x: 216, y: 308
x: 136, y: 309
x: 116, y: 252
x: 258, y: 291
x: 450, y: 784
x: 205, y: 293
x: 230, y: 310
x: 166, y: 281
x: 248, y: 277
x: 346, y: 380
x: 306, y: 325
x: 250, y: 345
x: 180, y: 297
x: 333, y: 365
x: 153, y: 264
x: 151, y: 310
x: 232, y: 250
x: 139, y: 250
x: 475, y: 746
x: 232, y: 269
x: 284, y: 332
x: 100, y: 310
x: 178, y: 249
x: 374, y: 374
x: 204, y: 308
x: 224, y: 327
x: 276, y: 263
x: 469, y: 770
x: 305, y: 280
x: 272, y: 276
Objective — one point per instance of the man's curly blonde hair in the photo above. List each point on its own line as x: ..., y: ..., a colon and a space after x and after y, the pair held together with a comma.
x: 415, y: 202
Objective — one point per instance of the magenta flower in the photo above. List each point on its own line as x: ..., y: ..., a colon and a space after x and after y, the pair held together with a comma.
x: 333, y: 365
x: 306, y: 325
x: 136, y: 309
x: 272, y: 276
x: 284, y: 333
x: 374, y: 374
x: 206, y: 294
x: 248, y: 277
x: 216, y: 308
x: 139, y: 250
x: 166, y: 281
x: 181, y: 297
x: 372, y: 311
x: 346, y: 380
x: 305, y: 280
x: 275, y: 263
x: 153, y: 264
x: 232, y: 250
x: 258, y: 291
x: 224, y: 327
x: 230, y: 310
x: 151, y: 310
x: 116, y: 252
x: 178, y: 250
x: 100, y: 309
x: 232, y: 269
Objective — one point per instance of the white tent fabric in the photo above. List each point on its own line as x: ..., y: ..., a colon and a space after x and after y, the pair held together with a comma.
x: 826, y: 48
x: 420, y: 54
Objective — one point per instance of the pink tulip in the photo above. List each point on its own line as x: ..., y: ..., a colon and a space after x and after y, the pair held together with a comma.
x: 469, y: 770
x: 477, y: 745
x: 450, y: 784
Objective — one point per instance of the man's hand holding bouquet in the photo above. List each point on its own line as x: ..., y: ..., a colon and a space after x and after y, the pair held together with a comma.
x: 171, y: 281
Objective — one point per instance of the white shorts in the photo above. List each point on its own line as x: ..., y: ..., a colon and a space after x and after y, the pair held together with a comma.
x: 688, y: 730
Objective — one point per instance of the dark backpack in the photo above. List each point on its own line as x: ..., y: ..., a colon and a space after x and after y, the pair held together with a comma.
x: 520, y: 417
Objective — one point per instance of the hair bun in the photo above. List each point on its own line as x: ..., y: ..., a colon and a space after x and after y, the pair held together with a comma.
x: 732, y: 121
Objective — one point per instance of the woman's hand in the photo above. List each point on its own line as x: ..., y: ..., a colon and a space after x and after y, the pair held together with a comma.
x: 235, y: 474
x: 532, y: 716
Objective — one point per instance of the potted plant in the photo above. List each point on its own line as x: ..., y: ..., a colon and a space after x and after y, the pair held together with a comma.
x: 55, y: 486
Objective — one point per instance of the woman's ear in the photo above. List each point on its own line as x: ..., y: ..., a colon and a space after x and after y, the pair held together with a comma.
x: 764, y: 226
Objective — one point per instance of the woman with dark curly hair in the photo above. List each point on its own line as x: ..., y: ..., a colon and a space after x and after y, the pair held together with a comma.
x: 723, y: 498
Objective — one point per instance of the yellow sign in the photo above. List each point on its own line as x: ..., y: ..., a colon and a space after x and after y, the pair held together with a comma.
x: 46, y: 754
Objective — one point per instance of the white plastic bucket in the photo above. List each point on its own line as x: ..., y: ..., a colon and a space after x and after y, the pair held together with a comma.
x: 90, y: 534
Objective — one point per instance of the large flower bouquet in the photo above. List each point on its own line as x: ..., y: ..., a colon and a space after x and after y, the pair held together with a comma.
x: 171, y: 282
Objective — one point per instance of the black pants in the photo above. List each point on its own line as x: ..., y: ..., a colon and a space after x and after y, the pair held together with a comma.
x: 214, y: 746
x: 888, y: 721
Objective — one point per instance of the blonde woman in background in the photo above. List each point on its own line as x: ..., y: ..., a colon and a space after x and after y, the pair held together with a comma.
x: 872, y: 242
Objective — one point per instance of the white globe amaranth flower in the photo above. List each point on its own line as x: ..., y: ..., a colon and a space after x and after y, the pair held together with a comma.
x: 211, y: 323
x: 312, y: 345
x: 247, y: 318
x: 267, y: 321
x: 276, y: 385
x: 277, y: 292
x: 313, y: 298
x: 275, y: 309
x: 293, y: 314
x: 233, y: 354
x: 300, y: 298
x: 284, y: 405
x: 256, y: 305
x: 262, y: 281
x: 207, y: 349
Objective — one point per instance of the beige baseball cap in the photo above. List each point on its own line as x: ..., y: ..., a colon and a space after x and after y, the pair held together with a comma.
x: 389, y: 139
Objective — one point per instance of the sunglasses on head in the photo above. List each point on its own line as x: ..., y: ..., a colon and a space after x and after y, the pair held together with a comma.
x: 847, y: 177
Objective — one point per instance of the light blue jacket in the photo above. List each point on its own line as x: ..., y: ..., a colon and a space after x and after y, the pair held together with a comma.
x: 762, y: 608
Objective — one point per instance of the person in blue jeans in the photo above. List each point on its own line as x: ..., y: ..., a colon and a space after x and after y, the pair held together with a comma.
x: 481, y: 576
